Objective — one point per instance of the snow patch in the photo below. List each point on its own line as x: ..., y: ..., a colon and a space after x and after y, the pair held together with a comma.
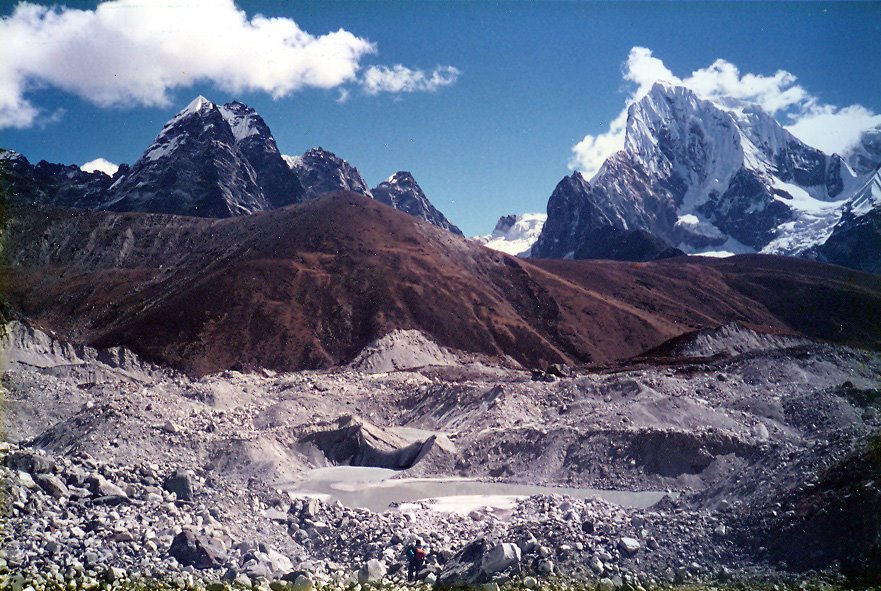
x: 241, y: 124
x: 160, y: 150
x: 729, y: 248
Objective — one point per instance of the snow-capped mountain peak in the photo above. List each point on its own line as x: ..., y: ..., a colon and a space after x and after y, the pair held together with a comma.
x: 197, y: 105
x: 515, y: 234
x: 705, y: 176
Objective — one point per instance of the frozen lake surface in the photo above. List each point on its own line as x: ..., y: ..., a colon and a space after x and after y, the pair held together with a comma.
x: 377, y: 490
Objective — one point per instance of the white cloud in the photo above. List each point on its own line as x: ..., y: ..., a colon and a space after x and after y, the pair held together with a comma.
x: 399, y: 79
x: 829, y: 128
x: 134, y: 52
x: 833, y: 129
x: 100, y: 164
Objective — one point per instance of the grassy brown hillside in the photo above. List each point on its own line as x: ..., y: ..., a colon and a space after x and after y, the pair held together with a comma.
x: 308, y: 286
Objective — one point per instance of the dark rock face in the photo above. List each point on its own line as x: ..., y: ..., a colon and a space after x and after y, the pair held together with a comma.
x: 505, y: 223
x: 51, y: 184
x: 570, y: 212
x: 594, y: 222
x: 402, y: 192
x: 198, y: 551
x: 855, y: 242
x: 802, y: 164
x: 609, y: 242
x: 273, y: 175
x: 747, y: 211
x: 322, y: 172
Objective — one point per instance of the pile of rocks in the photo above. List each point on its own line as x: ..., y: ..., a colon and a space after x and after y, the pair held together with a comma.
x: 79, y: 519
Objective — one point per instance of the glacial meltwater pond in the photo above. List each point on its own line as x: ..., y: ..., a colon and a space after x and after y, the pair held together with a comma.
x: 375, y: 489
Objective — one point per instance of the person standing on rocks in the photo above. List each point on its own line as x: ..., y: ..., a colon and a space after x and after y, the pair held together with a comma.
x: 415, y: 559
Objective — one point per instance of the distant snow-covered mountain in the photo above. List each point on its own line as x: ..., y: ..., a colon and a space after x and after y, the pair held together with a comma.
x: 209, y: 160
x: 704, y: 177
x: 515, y: 234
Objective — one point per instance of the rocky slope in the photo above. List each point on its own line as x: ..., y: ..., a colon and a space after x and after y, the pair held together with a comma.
x: 311, y: 285
x: 118, y: 476
x: 702, y: 176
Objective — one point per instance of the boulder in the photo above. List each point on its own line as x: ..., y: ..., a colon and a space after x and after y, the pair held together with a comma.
x: 372, y: 572
x: 181, y: 484
x: 302, y: 583
x: 190, y: 549
x: 269, y: 564
x: 52, y: 485
x: 464, y: 568
x: 500, y: 557
x: 629, y: 546
x: 28, y: 461
x: 101, y: 487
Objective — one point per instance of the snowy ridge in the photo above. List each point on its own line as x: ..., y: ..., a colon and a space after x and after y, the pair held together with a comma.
x: 242, y: 120
x: 712, y: 177
x: 867, y: 197
x: 515, y: 234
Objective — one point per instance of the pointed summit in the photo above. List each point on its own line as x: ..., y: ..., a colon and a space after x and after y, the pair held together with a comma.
x: 402, y: 192
x: 321, y: 171
x: 197, y: 105
x: 209, y: 161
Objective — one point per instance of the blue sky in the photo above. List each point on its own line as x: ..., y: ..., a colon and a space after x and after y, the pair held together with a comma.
x: 533, y: 80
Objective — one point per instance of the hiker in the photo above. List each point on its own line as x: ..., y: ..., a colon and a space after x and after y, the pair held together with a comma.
x: 415, y: 559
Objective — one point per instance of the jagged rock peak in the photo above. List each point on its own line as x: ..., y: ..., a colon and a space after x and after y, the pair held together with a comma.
x: 402, y: 177
x: 321, y: 171
x: 402, y: 192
